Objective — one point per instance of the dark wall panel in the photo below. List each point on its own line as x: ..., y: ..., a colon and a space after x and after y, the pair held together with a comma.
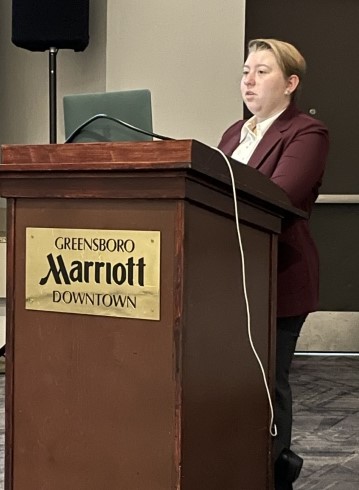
x: 335, y: 228
x: 326, y: 32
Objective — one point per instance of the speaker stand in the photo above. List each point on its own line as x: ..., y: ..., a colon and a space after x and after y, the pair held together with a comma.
x: 53, y: 94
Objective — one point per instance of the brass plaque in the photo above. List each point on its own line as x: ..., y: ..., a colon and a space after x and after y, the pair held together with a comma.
x: 93, y: 272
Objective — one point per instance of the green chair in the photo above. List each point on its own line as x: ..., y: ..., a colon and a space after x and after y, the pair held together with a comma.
x: 108, y: 116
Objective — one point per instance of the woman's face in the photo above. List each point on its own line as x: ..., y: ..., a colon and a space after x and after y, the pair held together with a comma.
x: 265, y: 90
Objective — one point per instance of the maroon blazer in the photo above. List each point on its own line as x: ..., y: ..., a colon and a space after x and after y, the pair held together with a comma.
x: 292, y: 153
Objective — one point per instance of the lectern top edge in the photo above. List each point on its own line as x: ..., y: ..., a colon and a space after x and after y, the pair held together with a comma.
x: 191, y: 156
x: 115, y: 153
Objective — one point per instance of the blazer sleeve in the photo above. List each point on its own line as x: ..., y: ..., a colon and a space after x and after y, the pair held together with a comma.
x: 300, y: 167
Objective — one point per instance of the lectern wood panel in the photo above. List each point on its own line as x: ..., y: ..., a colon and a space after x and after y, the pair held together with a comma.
x: 94, y: 396
x: 222, y: 441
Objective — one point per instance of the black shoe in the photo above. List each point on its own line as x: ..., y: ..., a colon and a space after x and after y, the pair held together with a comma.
x: 288, y: 466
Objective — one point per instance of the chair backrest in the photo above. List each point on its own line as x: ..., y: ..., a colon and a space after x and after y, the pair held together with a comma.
x: 131, y: 106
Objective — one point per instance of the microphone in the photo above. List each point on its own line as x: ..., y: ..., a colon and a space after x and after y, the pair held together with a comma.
x: 118, y: 121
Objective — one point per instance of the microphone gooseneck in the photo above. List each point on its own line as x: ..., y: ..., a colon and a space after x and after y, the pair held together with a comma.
x: 118, y: 121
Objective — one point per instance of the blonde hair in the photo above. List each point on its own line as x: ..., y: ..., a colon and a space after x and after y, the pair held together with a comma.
x: 289, y: 59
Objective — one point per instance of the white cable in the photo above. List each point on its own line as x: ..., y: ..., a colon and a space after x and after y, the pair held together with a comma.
x: 273, y: 427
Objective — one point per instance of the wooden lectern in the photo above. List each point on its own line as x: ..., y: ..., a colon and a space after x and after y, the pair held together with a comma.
x: 96, y: 402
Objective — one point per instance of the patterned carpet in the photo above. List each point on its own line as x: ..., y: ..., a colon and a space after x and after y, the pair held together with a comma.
x: 326, y: 426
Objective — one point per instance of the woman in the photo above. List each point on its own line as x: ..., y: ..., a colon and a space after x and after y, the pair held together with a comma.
x: 291, y: 148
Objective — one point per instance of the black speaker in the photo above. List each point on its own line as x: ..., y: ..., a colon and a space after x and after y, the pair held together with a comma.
x: 38, y: 25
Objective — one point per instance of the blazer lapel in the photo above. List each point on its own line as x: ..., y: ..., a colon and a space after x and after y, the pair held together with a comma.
x: 272, y: 136
x: 265, y: 146
x: 229, y: 144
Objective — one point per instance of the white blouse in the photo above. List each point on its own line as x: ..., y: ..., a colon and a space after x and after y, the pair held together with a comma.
x: 251, y: 134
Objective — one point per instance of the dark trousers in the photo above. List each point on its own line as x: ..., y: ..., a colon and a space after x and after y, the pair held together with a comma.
x: 288, y: 330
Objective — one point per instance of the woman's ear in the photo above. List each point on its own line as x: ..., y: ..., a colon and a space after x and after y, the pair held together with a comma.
x: 292, y: 84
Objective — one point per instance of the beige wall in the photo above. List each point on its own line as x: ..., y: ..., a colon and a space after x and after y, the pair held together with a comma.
x: 24, y: 95
x: 187, y: 53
